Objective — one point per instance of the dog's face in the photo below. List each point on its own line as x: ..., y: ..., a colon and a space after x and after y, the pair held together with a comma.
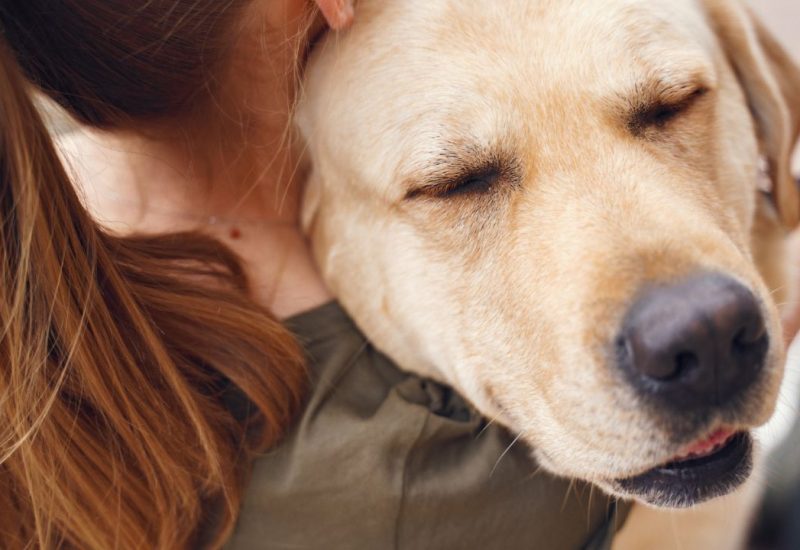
x: 550, y: 206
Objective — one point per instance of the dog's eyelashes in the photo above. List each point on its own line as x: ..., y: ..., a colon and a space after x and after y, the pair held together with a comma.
x: 663, y: 114
x: 472, y: 183
x: 658, y: 115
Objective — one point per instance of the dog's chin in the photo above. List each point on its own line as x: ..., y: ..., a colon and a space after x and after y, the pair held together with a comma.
x: 692, y: 480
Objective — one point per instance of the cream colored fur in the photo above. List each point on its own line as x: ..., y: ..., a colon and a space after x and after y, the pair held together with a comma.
x: 512, y: 296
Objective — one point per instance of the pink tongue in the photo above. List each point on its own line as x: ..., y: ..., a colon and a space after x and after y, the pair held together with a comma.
x: 707, y: 445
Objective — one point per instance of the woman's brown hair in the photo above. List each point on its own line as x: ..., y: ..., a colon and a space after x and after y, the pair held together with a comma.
x: 137, y: 378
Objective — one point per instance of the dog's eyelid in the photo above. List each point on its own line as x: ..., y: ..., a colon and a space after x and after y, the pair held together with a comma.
x: 468, y: 182
x: 680, y: 93
x: 474, y: 180
x: 657, y: 111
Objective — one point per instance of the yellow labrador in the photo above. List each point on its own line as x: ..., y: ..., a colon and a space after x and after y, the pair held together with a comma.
x: 572, y: 212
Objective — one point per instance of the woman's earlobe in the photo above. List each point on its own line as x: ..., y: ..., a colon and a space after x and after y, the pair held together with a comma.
x: 338, y: 13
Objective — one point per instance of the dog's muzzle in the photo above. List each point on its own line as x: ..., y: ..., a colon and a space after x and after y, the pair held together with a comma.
x: 692, y: 350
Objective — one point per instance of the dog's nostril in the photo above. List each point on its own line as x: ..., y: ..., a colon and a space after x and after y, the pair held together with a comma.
x: 750, y: 344
x: 741, y: 342
x: 749, y: 336
x: 623, y: 350
x: 684, y: 363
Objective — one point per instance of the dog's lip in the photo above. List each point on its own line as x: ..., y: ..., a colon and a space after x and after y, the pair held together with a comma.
x: 690, y: 462
x: 702, y: 447
x: 705, y: 446
x: 693, y: 479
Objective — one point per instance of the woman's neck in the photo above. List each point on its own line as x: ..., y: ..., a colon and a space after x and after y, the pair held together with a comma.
x: 138, y: 183
x: 229, y: 170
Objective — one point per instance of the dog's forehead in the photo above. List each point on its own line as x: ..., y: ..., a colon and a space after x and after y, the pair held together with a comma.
x: 535, y: 47
x: 428, y: 73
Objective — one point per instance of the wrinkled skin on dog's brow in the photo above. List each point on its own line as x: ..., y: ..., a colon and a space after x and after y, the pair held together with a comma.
x: 491, y: 188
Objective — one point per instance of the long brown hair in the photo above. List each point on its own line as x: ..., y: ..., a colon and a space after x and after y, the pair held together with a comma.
x: 137, y: 378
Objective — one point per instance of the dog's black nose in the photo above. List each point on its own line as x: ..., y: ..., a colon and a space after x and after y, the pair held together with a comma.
x: 694, y: 344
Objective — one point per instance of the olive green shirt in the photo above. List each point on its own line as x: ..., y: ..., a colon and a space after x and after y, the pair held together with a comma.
x: 382, y: 459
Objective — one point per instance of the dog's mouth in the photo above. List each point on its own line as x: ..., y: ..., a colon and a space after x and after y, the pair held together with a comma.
x: 709, y: 468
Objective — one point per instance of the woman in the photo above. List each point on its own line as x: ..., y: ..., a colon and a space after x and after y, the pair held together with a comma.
x: 144, y: 368
x: 120, y: 354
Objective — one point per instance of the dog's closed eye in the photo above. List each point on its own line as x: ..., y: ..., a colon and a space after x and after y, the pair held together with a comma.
x: 477, y: 182
x: 467, y: 179
x: 657, y: 111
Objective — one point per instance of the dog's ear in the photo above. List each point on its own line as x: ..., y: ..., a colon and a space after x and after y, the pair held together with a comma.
x: 771, y: 82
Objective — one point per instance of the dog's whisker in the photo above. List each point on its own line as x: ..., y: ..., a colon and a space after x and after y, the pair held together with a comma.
x: 533, y: 474
x: 504, y: 453
x: 486, y: 427
x: 788, y: 405
x: 777, y: 289
x: 674, y: 525
x: 569, y: 490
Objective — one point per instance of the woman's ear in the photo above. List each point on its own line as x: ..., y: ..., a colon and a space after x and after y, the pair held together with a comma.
x: 312, y: 198
x: 771, y: 82
x: 338, y: 13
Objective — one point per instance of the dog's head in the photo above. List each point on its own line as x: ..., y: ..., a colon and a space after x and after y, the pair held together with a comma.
x: 551, y: 207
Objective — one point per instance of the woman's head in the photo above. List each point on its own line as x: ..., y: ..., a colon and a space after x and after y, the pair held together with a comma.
x: 136, y: 376
x: 110, y: 62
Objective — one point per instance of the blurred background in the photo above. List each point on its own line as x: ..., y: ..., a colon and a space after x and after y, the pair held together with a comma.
x: 783, y: 17
x: 778, y: 525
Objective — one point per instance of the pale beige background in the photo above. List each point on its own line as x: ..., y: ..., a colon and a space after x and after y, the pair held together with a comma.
x: 782, y: 435
x: 783, y: 17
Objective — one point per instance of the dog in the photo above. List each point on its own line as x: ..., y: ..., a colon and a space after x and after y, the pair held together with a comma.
x: 574, y: 214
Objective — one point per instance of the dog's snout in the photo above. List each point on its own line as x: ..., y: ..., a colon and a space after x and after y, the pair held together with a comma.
x: 694, y: 344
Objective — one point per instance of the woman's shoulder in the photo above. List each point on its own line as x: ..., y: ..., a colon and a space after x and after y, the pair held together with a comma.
x: 381, y: 458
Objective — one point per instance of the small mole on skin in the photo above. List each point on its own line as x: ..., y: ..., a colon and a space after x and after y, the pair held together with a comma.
x: 235, y: 233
